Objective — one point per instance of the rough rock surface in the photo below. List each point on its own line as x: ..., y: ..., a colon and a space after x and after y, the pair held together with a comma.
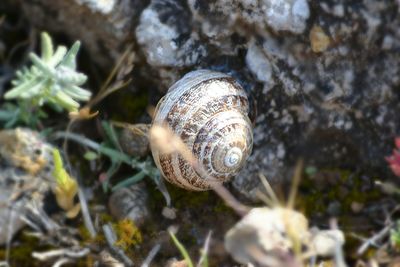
x: 103, y: 26
x: 325, y: 73
x: 25, y: 172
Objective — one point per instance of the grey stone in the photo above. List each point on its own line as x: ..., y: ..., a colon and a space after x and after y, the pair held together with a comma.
x: 130, y: 203
x: 20, y: 184
x: 335, y: 108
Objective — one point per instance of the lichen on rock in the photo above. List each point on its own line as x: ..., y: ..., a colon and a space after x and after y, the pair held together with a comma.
x: 25, y: 170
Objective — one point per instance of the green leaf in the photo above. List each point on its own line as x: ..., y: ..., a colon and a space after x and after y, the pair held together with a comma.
x: 46, y: 47
x: 11, y: 123
x: 77, y: 92
x: 110, y: 172
x: 110, y: 133
x: 33, y: 90
x: 65, y: 101
x: 70, y: 58
x: 16, y: 92
x: 40, y: 64
x: 6, y: 115
x: 129, y: 181
x: 58, y: 56
x: 90, y: 155
x: 68, y: 76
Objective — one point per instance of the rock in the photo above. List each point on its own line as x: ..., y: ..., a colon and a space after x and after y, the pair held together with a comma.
x: 281, y: 15
x: 130, y: 203
x: 164, y: 31
x: 258, y: 63
x: 134, y: 139
x: 107, y: 260
x: 266, y: 231
x: 325, y: 75
x: 268, y: 236
x: 25, y: 170
x: 24, y: 148
x: 289, y: 15
x: 325, y: 242
x: 102, y: 26
x: 176, y: 263
x: 335, y: 109
x: 169, y: 213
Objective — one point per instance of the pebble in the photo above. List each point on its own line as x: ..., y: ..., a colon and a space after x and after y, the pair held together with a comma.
x: 130, y: 203
x: 24, y: 177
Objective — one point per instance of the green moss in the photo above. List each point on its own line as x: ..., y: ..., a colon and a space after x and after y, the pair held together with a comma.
x: 345, y: 189
x: 21, y: 255
x: 128, y: 234
x: 181, y: 198
x: 106, y: 218
x: 86, y: 238
x: 130, y: 106
x: 222, y: 207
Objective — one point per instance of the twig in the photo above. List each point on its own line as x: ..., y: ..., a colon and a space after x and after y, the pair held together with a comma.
x: 85, y: 213
x: 230, y: 200
x: 61, y: 262
x: 111, y: 239
x: 38, y: 213
x: 47, y: 228
x: 64, y: 252
x: 375, y: 238
x: 204, y: 251
x: 153, y: 252
x: 270, y: 199
x: 338, y: 257
x: 11, y: 220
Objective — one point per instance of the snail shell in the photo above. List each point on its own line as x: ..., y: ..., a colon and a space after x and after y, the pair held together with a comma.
x: 209, y: 111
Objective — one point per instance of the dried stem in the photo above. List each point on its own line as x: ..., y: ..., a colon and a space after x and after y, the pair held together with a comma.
x: 64, y: 252
x: 111, y: 239
x: 153, y: 252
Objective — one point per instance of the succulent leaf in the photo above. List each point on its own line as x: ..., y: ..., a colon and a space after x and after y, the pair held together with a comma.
x: 51, y: 78
x: 46, y: 47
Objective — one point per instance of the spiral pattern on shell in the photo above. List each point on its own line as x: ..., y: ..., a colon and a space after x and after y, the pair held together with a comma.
x: 209, y: 111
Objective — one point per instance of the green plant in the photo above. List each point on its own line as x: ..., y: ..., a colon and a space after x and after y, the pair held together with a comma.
x: 110, y: 149
x: 66, y: 187
x: 395, y: 235
x: 21, y: 114
x: 52, y: 78
x: 203, y: 261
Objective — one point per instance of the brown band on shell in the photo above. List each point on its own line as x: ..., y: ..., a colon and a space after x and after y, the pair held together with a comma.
x: 209, y: 112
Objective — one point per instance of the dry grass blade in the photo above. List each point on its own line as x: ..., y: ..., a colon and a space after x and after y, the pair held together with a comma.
x: 167, y: 142
x: 203, y: 261
x: 270, y: 199
x: 295, y: 184
x: 153, y: 252
x: 111, y: 238
x: 119, y: 72
x: 64, y: 252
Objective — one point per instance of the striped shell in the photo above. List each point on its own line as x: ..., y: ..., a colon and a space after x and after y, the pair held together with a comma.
x: 209, y: 111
